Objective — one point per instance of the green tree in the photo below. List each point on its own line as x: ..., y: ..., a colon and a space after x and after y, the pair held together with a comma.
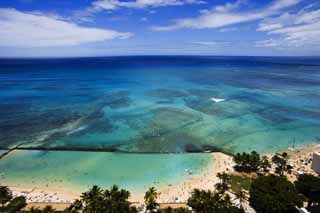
x: 176, y: 210
x: 202, y: 201
x: 224, y: 184
x: 93, y: 199
x: 16, y: 204
x: 309, y: 186
x: 5, y: 196
x: 48, y: 209
x: 34, y: 210
x: 265, y: 164
x: 116, y: 201
x: 242, y: 196
x: 76, y: 206
x: 247, y: 162
x: 150, y: 199
x: 113, y: 200
x: 273, y: 194
x: 254, y: 161
x: 281, y: 162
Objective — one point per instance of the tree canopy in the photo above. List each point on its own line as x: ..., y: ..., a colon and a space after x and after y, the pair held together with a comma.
x: 113, y: 200
x: 273, y: 194
x: 5, y: 196
x: 202, y: 201
x: 16, y: 204
x: 150, y: 199
x: 281, y: 162
x: 251, y: 162
x: 309, y: 186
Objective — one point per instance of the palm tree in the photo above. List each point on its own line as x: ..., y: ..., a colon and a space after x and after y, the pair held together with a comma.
x: 116, y: 200
x: 35, y: 210
x: 224, y: 177
x: 223, y: 186
x: 265, y: 164
x: 242, y: 196
x: 92, y: 199
x: 5, y: 196
x: 150, y: 199
x: 76, y: 206
x: 48, y: 209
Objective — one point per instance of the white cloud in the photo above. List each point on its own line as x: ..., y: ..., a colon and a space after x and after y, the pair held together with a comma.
x: 20, y: 29
x: 280, y: 4
x: 140, y: 4
x: 268, y: 43
x: 293, y: 29
x: 267, y: 27
x: 224, y: 15
x: 228, y: 6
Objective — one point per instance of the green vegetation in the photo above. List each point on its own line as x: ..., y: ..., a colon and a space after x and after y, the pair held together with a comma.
x: 242, y: 196
x: 273, y: 194
x: 48, y: 209
x: 251, y: 162
x: 281, y: 162
x: 97, y: 200
x: 150, y: 199
x: 5, y: 196
x: 176, y: 210
x: 202, y: 201
x: 35, y: 210
x: 16, y: 204
x: 309, y: 186
x: 238, y: 182
x: 7, y: 203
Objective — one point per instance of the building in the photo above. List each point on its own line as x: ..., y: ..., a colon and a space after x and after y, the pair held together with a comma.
x: 316, y: 162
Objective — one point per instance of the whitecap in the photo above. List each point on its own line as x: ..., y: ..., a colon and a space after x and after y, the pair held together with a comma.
x: 76, y: 130
x: 217, y: 100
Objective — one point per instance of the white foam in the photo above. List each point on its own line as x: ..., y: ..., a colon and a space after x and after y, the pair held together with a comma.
x: 217, y: 100
x: 76, y: 130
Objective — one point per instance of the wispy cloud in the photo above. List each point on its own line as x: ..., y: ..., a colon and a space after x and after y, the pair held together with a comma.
x: 297, y: 29
x: 225, y: 15
x: 21, y: 29
x: 140, y: 4
x: 228, y: 29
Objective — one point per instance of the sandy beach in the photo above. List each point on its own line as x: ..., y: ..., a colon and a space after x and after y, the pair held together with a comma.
x: 205, y: 179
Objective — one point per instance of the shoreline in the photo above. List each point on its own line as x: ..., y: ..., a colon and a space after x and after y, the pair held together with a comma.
x: 203, y: 179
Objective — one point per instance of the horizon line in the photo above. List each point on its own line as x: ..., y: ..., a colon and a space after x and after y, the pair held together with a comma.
x: 156, y: 55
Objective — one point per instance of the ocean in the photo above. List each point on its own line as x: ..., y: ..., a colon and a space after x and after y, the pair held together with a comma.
x: 137, y: 114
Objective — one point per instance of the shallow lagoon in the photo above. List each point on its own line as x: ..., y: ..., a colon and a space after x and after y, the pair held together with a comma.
x: 80, y: 170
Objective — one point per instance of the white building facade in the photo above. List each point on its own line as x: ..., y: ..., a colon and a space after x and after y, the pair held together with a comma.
x: 316, y: 162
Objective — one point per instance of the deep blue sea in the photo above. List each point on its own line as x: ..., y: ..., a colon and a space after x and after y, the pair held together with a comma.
x: 158, y: 104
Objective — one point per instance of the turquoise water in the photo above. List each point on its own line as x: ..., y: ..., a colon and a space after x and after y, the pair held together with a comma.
x: 78, y: 171
x: 152, y: 105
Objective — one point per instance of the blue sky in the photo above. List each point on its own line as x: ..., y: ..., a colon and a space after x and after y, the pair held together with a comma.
x: 38, y: 28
